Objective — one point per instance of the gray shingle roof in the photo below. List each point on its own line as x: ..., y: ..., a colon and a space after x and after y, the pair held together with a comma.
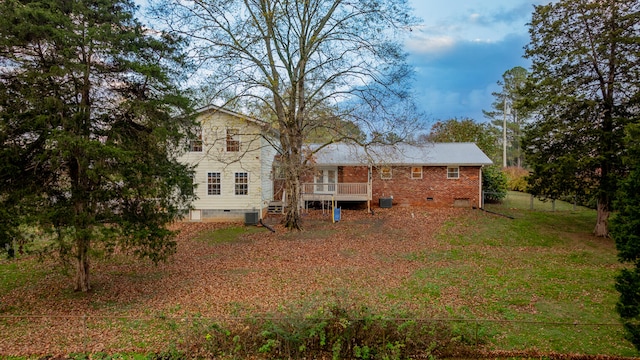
x: 433, y: 154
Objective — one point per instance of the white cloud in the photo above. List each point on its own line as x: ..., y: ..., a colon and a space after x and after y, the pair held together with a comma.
x: 430, y: 45
x: 474, y: 17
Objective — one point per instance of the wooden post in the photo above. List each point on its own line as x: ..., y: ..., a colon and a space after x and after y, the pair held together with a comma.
x: 531, y: 203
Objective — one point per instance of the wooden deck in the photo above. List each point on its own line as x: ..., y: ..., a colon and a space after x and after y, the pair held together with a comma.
x: 338, y: 192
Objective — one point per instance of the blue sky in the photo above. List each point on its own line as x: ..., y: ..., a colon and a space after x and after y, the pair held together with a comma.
x: 461, y: 51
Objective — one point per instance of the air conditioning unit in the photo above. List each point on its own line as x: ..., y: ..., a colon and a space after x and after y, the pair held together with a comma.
x: 386, y: 203
x: 251, y: 218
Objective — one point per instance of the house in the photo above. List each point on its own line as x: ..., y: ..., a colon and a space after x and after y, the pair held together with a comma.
x: 234, y: 157
x: 438, y: 174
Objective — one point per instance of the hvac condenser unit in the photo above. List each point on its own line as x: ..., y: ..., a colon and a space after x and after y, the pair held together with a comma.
x: 386, y: 203
x: 251, y: 218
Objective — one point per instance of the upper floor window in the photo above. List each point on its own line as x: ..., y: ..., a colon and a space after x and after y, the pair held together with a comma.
x: 416, y: 172
x: 196, y: 143
x: 385, y: 172
x: 242, y: 183
x: 233, y: 140
x: 453, y: 173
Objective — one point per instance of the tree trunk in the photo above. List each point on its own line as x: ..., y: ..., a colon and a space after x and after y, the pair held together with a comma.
x: 602, y: 223
x: 292, y: 219
x: 82, y: 265
x: 292, y: 158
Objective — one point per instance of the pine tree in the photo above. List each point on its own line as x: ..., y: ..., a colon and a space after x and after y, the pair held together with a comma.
x: 625, y: 229
x: 90, y: 126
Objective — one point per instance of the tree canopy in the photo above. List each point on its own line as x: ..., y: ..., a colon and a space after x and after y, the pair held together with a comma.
x: 584, y: 91
x: 467, y: 130
x: 298, y: 59
x: 90, y: 125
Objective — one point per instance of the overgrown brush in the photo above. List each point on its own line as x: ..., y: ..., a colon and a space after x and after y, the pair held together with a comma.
x: 516, y: 178
x: 332, y: 332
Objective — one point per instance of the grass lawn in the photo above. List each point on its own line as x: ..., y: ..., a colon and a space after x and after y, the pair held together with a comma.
x: 539, y: 281
x: 542, y: 275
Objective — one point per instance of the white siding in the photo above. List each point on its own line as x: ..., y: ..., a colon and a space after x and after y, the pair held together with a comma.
x: 267, y: 156
x: 253, y: 158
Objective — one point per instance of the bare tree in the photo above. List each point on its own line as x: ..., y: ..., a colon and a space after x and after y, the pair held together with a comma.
x: 298, y: 59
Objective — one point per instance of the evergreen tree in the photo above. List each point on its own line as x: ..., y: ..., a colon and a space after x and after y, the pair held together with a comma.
x: 625, y: 229
x: 90, y: 126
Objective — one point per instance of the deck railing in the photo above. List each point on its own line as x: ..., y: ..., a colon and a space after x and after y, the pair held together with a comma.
x: 340, y: 191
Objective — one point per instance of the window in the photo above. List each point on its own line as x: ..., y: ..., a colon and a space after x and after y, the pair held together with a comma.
x: 233, y: 140
x: 196, y: 143
x: 385, y: 172
x: 453, y: 173
x: 278, y: 170
x: 242, y: 183
x: 326, y: 180
x: 416, y: 172
x: 213, y: 183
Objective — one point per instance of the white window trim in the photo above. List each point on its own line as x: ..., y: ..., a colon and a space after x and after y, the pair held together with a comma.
x: 457, y: 171
x: 235, y: 183
x: 411, y: 173
x: 236, y: 138
x: 382, y: 173
x: 219, y: 183
x: 199, y: 139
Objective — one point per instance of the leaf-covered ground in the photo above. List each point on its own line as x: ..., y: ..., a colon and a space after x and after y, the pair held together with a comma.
x: 136, y: 306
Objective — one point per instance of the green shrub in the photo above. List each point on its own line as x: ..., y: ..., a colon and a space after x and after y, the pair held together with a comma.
x: 328, y: 332
x: 625, y: 230
x: 516, y: 178
x: 494, y: 183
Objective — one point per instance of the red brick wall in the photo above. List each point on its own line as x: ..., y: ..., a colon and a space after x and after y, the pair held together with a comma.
x: 434, y: 189
x: 353, y: 174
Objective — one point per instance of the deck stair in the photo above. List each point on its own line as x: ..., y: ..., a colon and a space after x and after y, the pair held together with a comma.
x: 275, y: 207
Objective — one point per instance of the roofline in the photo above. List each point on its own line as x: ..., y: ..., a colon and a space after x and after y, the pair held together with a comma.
x: 401, y: 164
x: 391, y: 163
x: 216, y: 108
x: 229, y: 112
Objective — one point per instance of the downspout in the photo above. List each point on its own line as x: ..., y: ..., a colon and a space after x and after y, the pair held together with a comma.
x: 480, y: 197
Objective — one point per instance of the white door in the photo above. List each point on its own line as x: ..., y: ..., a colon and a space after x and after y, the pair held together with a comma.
x: 325, y: 181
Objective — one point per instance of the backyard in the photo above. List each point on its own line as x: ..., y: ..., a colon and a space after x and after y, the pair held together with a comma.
x: 536, y: 282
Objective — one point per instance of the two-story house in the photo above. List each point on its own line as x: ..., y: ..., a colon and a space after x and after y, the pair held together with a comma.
x: 233, y: 155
